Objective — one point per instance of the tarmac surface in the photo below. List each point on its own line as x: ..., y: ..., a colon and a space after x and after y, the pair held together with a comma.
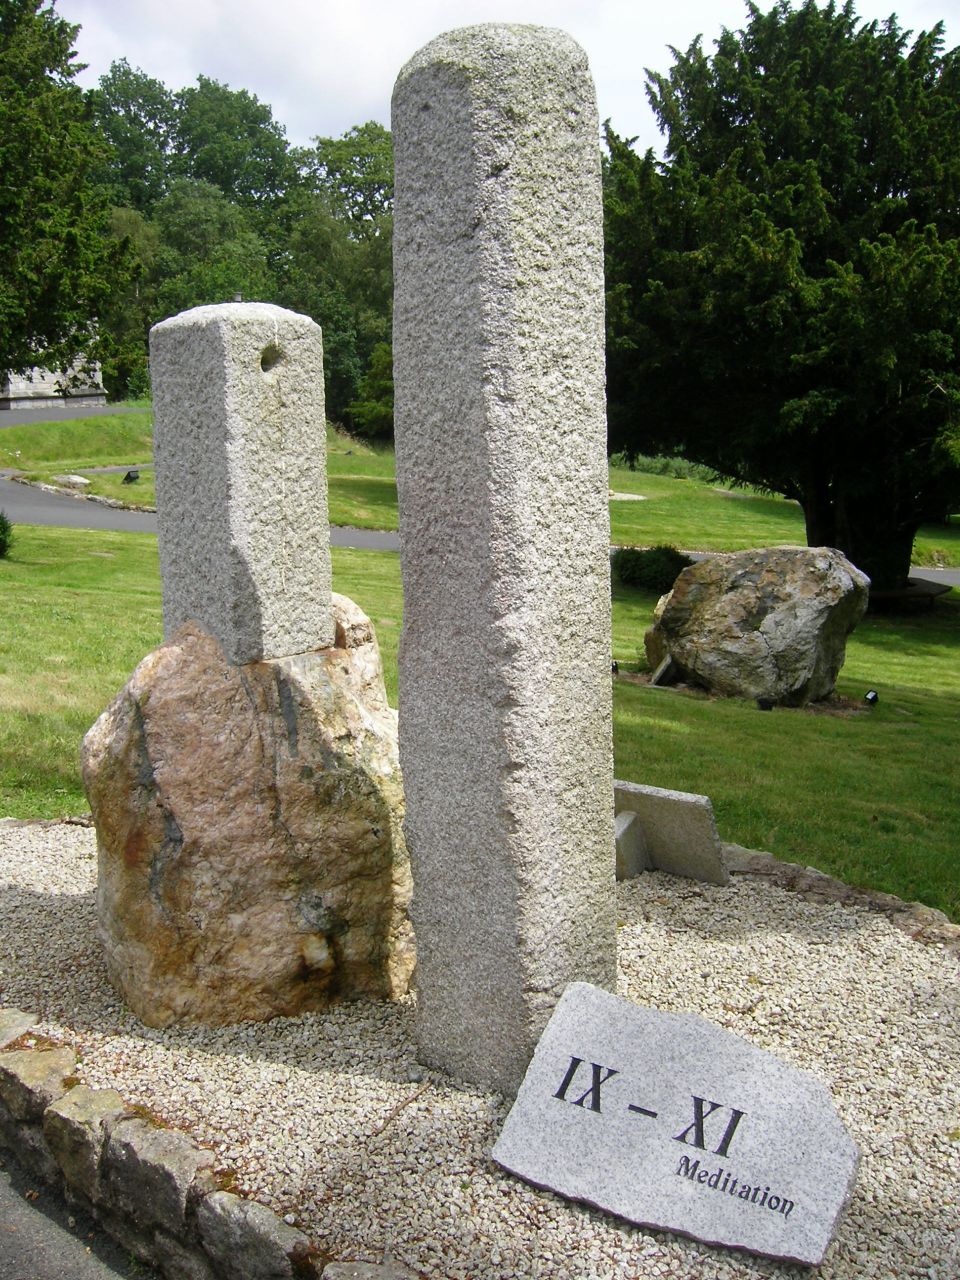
x: 25, y: 504
x: 41, y: 1238
x: 58, y: 413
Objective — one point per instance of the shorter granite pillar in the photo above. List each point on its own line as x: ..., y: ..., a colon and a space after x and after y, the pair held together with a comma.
x: 240, y: 455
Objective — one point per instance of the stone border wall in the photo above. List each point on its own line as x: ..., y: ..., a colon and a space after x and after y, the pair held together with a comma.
x: 153, y: 1189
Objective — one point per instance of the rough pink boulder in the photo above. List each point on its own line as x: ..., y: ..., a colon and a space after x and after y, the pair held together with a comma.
x: 251, y: 861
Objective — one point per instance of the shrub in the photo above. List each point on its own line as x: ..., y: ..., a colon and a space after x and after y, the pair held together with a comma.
x: 6, y: 535
x: 677, y: 468
x: 654, y: 569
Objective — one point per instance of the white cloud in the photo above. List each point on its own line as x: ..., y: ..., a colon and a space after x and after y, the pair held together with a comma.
x: 324, y: 65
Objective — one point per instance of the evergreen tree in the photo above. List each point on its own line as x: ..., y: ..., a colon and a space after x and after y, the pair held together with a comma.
x: 58, y: 268
x: 784, y: 289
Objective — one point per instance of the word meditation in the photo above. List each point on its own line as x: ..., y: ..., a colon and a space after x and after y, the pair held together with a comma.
x: 669, y: 1121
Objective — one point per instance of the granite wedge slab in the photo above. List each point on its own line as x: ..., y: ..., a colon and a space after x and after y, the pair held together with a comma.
x: 669, y: 1121
x: 679, y: 829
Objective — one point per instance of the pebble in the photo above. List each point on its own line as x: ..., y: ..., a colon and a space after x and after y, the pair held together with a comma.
x: 325, y: 1117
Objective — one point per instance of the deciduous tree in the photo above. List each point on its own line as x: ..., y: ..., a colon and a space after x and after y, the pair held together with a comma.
x: 135, y: 116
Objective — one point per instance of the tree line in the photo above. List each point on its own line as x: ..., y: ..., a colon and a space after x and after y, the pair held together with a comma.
x: 783, y: 286
x: 128, y: 203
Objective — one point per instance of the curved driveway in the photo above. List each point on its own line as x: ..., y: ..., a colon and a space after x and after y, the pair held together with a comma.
x: 60, y: 413
x: 25, y: 504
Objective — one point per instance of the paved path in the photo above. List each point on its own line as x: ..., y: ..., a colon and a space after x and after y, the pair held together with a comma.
x: 37, y: 1241
x: 25, y: 504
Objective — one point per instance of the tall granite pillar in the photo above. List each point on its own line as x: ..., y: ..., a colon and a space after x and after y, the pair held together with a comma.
x: 505, y: 697
x: 240, y: 455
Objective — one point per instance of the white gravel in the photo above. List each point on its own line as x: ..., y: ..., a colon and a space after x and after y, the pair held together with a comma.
x: 328, y: 1118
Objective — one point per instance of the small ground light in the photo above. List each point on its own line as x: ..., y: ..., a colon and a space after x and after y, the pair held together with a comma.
x: 871, y: 697
x: 614, y: 667
x: 131, y: 477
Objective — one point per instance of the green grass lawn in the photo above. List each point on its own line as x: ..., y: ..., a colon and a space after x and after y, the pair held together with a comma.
x: 698, y: 516
x: 870, y: 796
x: 362, y: 488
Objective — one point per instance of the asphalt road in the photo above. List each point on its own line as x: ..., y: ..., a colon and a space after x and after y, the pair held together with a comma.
x: 25, y: 504
x: 57, y: 413
x: 42, y: 1239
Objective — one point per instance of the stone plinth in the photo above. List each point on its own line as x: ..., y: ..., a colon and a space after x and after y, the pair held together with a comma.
x: 679, y: 833
x: 251, y: 862
x: 505, y: 731
x: 240, y: 453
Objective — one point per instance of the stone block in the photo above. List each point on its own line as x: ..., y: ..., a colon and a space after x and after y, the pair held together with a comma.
x: 151, y: 1174
x: 30, y: 1079
x: 13, y: 1024
x: 632, y: 856
x: 240, y: 456
x: 75, y: 1128
x: 504, y: 668
x: 249, y: 1242
x: 680, y: 831
x: 177, y: 1262
x: 136, y: 1239
x: 669, y: 1121
x: 26, y: 1143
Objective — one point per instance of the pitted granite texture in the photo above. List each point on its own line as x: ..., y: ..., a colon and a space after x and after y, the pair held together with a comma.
x: 505, y: 729
x: 239, y: 449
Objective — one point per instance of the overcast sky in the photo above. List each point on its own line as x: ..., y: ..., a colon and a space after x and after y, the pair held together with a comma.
x: 324, y: 65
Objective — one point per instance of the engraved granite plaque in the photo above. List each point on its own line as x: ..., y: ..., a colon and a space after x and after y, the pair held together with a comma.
x: 669, y: 1121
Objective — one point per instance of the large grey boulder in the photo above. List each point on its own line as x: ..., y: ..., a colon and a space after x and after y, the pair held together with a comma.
x: 251, y: 861
x: 771, y: 623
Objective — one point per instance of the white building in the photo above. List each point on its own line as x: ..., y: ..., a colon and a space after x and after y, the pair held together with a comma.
x: 41, y: 388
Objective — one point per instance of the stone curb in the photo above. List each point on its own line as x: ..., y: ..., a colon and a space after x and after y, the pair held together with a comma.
x: 84, y: 497
x: 922, y: 923
x: 152, y: 1188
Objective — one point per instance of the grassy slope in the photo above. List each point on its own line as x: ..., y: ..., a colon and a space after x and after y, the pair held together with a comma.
x: 362, y: 487
x: 704, y: 517
x: 870, y: 797
x: 363, y: 491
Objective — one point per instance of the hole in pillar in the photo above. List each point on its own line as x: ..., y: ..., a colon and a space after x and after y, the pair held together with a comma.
x: 270, y: 357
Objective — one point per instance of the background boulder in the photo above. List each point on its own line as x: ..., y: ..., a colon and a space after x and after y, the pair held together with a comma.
x: 771, y: 623
x: 251, y: 861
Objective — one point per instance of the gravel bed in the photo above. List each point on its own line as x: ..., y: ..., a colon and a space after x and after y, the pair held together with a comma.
x: 329, y: 1120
